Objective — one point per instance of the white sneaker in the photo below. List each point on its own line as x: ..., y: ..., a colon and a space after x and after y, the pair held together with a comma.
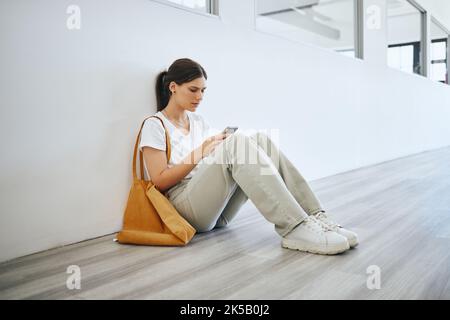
x: 352, y: 237
x: 312, y: 236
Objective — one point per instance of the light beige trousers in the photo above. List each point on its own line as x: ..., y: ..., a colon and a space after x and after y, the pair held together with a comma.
x: 243, y: 167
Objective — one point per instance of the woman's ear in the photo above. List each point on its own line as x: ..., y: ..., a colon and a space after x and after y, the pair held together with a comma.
x: 172, y: 86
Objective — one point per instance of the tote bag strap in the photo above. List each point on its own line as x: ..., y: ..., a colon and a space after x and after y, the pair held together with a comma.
x: 141, y: 157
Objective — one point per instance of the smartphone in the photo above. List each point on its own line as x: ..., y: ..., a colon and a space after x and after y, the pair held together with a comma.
x: 230, y: 130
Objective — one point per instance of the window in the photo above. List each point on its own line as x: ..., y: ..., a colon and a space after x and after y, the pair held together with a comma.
x: 405, y: 57
x: 439, y: 52
x: 405, y: 36
x: 326, y: 23
x: 204, y: 6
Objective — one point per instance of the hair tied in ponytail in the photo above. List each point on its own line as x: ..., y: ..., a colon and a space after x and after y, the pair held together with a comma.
x: 181, y: 71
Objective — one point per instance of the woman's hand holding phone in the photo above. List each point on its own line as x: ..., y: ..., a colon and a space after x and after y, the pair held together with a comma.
x: 230, y: 130
x: 211, y: 143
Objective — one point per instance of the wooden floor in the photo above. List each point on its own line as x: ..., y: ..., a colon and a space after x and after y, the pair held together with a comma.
x: 400, y: 209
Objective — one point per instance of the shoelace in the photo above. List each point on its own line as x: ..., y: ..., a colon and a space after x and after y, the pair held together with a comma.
x: 321, y: 217
x: 316, y: 225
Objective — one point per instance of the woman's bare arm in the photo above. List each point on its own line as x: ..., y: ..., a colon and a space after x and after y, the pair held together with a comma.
x: 164, y: 177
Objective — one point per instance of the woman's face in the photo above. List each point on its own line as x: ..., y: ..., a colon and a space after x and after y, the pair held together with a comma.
x: 189, y: 94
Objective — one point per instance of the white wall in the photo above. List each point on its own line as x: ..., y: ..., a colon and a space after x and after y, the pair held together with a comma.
x: 72, y: 101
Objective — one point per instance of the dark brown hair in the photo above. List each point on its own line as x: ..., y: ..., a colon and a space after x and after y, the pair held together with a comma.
x: 181, y: 71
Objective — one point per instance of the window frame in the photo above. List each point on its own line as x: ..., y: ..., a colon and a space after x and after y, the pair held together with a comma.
x: 441, y: 60
x: 358, y: 26
x: 212, y: 7
x: 423, y: 43
x: 447, y: 39
x: 416, y: 52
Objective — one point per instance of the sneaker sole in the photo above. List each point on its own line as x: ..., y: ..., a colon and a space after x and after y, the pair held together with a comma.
x: 294, y: 245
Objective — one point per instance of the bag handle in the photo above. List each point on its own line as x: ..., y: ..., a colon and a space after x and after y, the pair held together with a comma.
x: 141, y: 157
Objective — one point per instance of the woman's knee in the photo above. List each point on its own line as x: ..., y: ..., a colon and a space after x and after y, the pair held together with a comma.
x: 239, y: 136
x: 260, y: 137
x: 256, y: 134
x: 240, y: 141
x: 235, y: 147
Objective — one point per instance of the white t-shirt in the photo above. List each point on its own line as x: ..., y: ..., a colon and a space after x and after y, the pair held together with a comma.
x: 153, y: 135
